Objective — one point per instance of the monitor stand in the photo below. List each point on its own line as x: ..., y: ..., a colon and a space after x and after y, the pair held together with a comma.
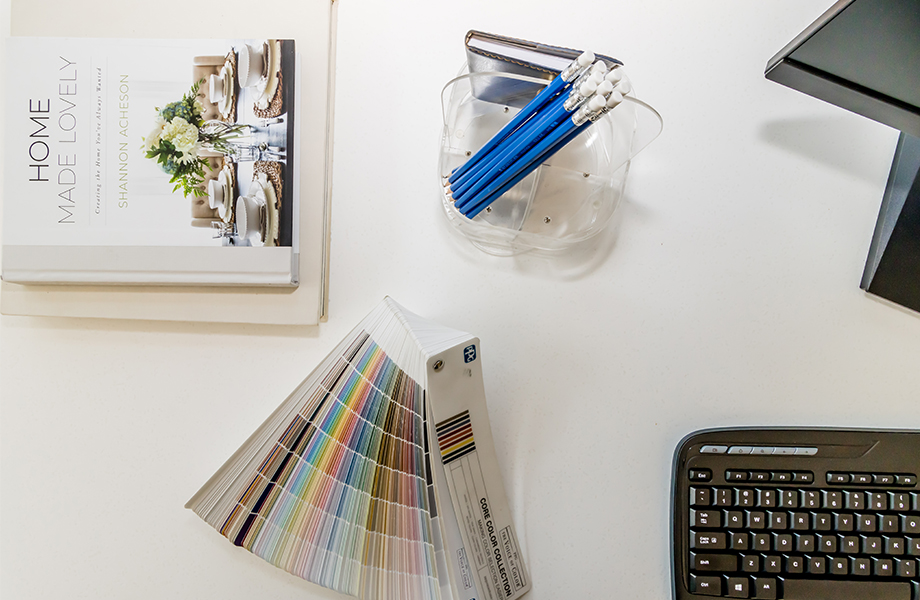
x: 893, y: 266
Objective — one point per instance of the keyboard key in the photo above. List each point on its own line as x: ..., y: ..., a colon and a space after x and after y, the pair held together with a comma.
x: 762, y: 450
x: 750, y: 563
x: 803, y: 477
x: 866, y: 523
x: 739, y: 541
x: 795, y: 565
x: 734, y: 519
x: 764, y: 588
x: 913, y: 547
x: 910, y: 524
x: 899, y: 501
x: 766, y: 498
x: 843, y: 522
x: 705, y: 518
x: 855, y: 500
x: 883, y: 479
x: 878, y: 501
x: 811, y: 499
x: 737, y: 587
x: 788, y: 498
x: 700, y: 496
x: 862, y: 478
x: 714, y: 540
x: 861, y: 567
x: 839, y: 566
x: 772, y: 564
x: 736, y: 475
x: 759, y: 476
x: 908, y: 480
x: 740, y: 449
x: 800, y: 521
x: 756, y: 520
x: 838, y: 478
x: 778, y: 520
x: 744, y: 497
x: 816, y: 565
x: 888, y: 524
x: 807, y: 451
x: 804, y: 543
x: 783, y: 451
x: 849, y: 544
x: 827, y: 543
x: 782, y: 542
x: 761, y: 541
x: 872, y: 545
x: 722, y: 563
x: 821, y: 522
x: 832, y: 500
x: 816, y: 589
x: 700, y: 475
x: 781, y: 476
x: 723, y: 497
x: 894, y: 546
x: 713, y: 449
x: 706, y: 585
x: 905, y: 567
x: 882, y: 567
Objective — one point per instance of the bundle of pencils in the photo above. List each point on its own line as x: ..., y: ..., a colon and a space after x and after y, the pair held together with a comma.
x: 580, y: 95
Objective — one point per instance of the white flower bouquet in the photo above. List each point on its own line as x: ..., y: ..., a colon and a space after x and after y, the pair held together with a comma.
x: 179, y: 136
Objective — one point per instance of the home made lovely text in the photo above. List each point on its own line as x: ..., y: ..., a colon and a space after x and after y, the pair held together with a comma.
x: 57, y: 152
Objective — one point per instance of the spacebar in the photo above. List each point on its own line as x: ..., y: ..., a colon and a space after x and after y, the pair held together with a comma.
x: 810, y: 589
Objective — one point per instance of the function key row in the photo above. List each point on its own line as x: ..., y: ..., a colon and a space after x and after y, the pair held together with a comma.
x: 908, y: 480
x: 787, y: 498
x: 703, y: 475
x: 760, y: 450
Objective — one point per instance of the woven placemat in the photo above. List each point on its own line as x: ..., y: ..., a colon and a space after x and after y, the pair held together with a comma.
x: 272, y: 171
x: 231, y: 116
x: 226, y: 162
x: 276, y: 105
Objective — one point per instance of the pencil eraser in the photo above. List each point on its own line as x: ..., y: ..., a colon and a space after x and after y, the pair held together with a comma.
x: 585, y: 59
x: 587, y: 88
x: 604, y: 88
x: 614, y: 76
x: 599, y: 67
x: 597, y: 102
x: 625, y: 87
x: 614, y: 99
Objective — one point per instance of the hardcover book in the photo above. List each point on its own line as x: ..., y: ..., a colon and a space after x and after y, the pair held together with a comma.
x: 180, y: 179
x: 378, y: 477
x: 151, y: 162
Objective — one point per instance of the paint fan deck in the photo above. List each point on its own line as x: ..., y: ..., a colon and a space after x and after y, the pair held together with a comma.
x: 377, y: 477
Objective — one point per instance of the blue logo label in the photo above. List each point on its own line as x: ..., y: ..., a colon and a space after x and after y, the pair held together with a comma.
x: 469, y: 353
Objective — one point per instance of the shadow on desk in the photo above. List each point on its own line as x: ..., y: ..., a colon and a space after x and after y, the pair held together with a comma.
x: 832, y: 142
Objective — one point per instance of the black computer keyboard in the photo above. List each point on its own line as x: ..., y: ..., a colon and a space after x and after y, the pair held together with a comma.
x: 797, y: 514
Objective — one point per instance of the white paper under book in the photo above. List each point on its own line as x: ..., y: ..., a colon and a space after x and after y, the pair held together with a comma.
x: 377, y: 477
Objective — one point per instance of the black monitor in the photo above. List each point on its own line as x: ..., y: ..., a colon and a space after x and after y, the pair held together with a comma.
x: 864, y: 56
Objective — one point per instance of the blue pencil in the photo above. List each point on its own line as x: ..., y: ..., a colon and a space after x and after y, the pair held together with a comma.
x: 541, y: 152
x: 523, y: 139
x: 568, y: 74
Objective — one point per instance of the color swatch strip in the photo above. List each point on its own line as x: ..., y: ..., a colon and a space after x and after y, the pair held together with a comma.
x: 455, y: 437
x: 342, y: 498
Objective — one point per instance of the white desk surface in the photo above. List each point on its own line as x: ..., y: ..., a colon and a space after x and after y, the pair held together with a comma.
x: 726, y: 293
